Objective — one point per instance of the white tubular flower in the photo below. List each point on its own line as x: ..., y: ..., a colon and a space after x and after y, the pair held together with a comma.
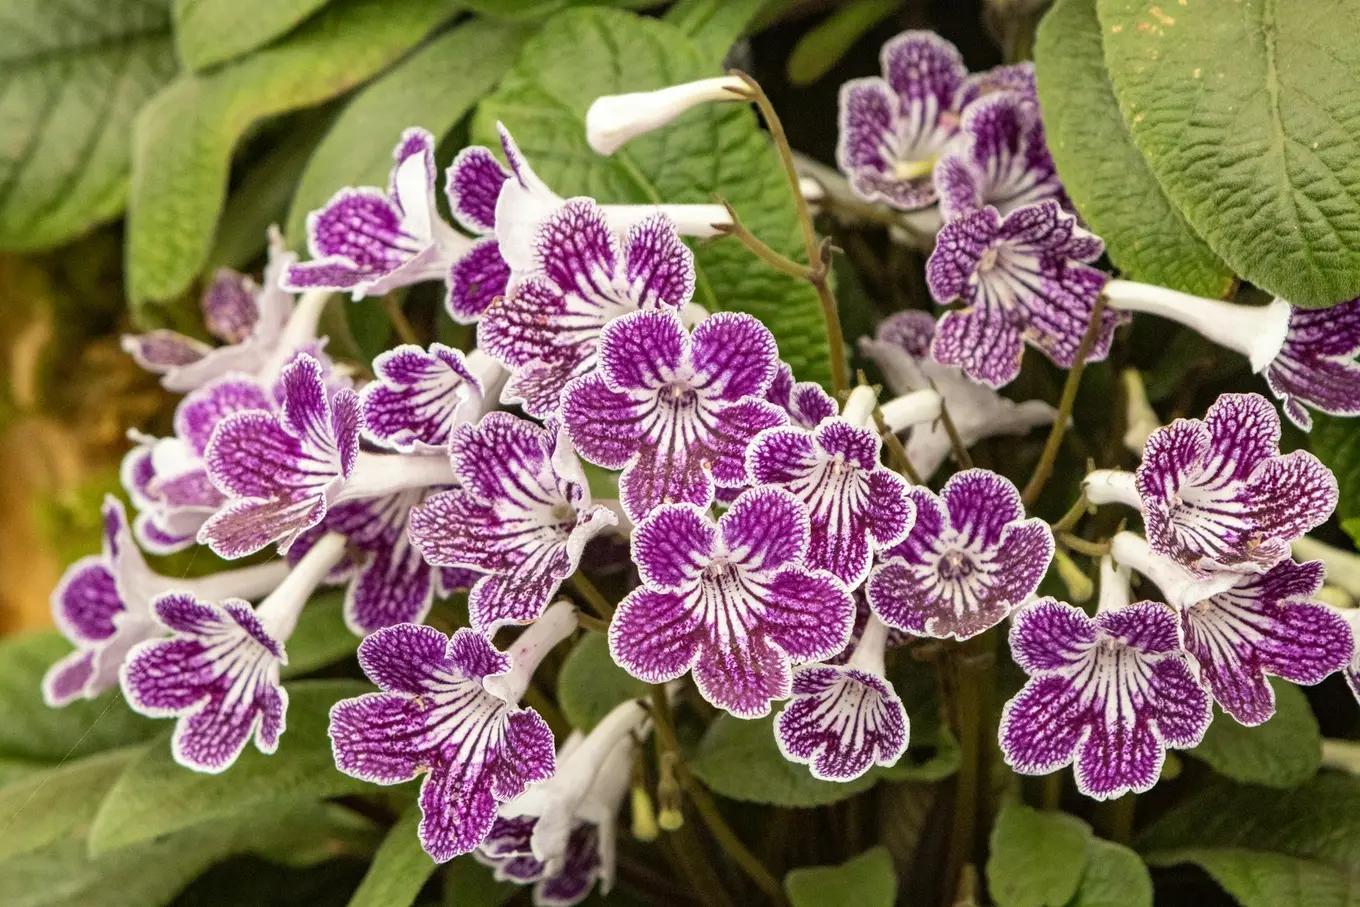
x: 911, y: 409
x: 1178, y: 585
x: 1343, y: 567
x: 615, y: 119
x: 1114, y: 586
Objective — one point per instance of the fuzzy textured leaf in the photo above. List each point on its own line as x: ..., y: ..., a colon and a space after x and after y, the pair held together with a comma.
x: 1249, y: 114
x: 714, y: 25
x: 184, y: 138
x: 590, y: 683
x: 1284, y: 752
x: 208, y: 32
x: 1337, y: 444
x: 1037, y: 858
x: 1257, y: 879
x: 321, y: 637
x: 432, y: 88
x: 75, y: 74
x: 47, y: 804
x: 717, y: 148
x: 1114, y: 877
x: 399, y: 868
x: 867, y: 880
x: 156, y: 796
x: 1101, y: 168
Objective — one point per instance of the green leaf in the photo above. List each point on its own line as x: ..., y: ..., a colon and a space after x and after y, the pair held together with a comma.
x: 33, y: 735
x: 432, y: 88
x: 468, y: 883
x: 45, y: 805
x: 156, y: 795
x: 1257, y: 879
x: 1037, y: 858
x: 75, y: 74
x: 399, y: 868
x: 1317, y: 821
x: 1114, y: 877
x: 1247, y: 114
x: 590, y: 683
x: 208, y: 32
x: 867, y: 880
x: 149, y: 874
x: 1101, y: 168
x: 1337, y: 444
x: 321, y: 637
x: 714, y: 25
x: 823, y: 45
x: 717, y: 148
x: 183, y: 139
x: 1284, y: 752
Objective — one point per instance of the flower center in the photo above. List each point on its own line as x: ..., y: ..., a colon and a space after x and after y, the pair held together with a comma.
x: 718, y: 568
x: 988, y: 259
x: 955, y: 564
x: 914, y: 170
x: 564, y: 513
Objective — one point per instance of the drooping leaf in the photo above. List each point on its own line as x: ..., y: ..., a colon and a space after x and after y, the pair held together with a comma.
x: 183, y: 140
x: 590, y: 683
x: 1037, y: 858
x: 1101, y: 168
x: 823, y: 45
x: 156, y: 796
x: 717, y: 148
x: 1284, y: 752
x: 1318, y: 821
x: 1114, y: 877
x: 714, y: 25
x: 1257, y: 879
x: 399, y: 868
x: 867, y: 880
x: 47, y: 804
x: 433, y: 88
x: 1247, y: 112
x: 75, y: 74
x: 208, y: 32
x: 321, y: 637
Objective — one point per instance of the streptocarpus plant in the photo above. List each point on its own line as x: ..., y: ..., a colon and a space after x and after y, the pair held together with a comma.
x: 622, y: 523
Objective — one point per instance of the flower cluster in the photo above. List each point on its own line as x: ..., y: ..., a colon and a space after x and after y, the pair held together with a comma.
x: 773, y: 555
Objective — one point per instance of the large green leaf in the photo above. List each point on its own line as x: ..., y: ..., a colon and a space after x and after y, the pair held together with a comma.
x: 1249, y: 114
x: 156, y: 795
x: 184, y: 139
x: 717, y: 148
x: 714, y: 25
x: 32, y: 736
x: 1257, y: 879
x: 1318, y: 821
x: 45, y: 805
x: 1037, y: 858
x: 432, y: 88
x: 1284, y: 752
x: 75, y: 74
x: 208, y: 32
x: 399, y: 868
x: 590, y: 683
x: 1337, y: 444
x: 1101, y: 168
x: 321, y: 637
x: 867, y: 880
x: 1114, y: 877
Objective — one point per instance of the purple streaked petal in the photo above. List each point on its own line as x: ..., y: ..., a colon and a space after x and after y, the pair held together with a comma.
x: 1016, y: 77
x: 581, y: 867
x: 161, y: 351
x: 86, y: 601
x: 655, y: 636
x: 984, y: 343
x: 243, y: 527
x: 841, y: 722
x: 575, y: 246
x: 473, y: 183
x: 527, y: 756
x: 379, y: 737
x: 659, y: 267
x: 643, y: 351
x: 920, y: 65
x: 743, y: 680
x: 766, y: 528
x: 418, y: 397
x: 476, y: 280
x: 202, y: 409
x: 1041, y: 726
x: 734, y: 356
x: 518, y: 595
x: 675, y: 542
x: 229, y: 309
x: 1316, y: 366
x: 67, y: 679
x: 1049, y: 636
x: 805, y: 401
x: 809, y: 614
x: 359, y: 228
x: 999, y: 159
x: 407, y: 658
x: 605, y: 426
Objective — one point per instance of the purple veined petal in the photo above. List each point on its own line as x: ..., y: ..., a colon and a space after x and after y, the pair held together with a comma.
x: 781, y: 455
x: 805, y: 401
x: 841, y: 722
x: 409, y: 658
x: 986, y: 345
x: 379, y: 737
x: 476, y: 280
x: 68, y: 679
x: 659, y: 268
x: 577, y: 251
x: 745, y: 679
x: 1316, y: 366
x: 1049, y: 636
x: 160, y: 351
x: 528, y: 755
x: 999, y: 159
x: 418, y: 397
x: 355, y: 238
x: 674, y: 544
x: 229, y: 309
x: 655, y: 636
x: 643, y: 351
x: 86, y: 601
x: 1262, y: 626
x: 202, y: 409
x: 734, y: 356
x: 920, y: 67
x: 581, y: 867
x: 809, y: 614
x: 502, y: 457
x: 606, y: 426
x: 473, y: 183
x: 1041, y: 726
x: 1016, y: 77
x: 766, y: 528
x: 392, y: 584
x: 518, y: 595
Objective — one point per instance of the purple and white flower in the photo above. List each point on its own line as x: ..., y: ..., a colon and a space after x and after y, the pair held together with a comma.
x: 419, y: 397
x: 970, y: 559
x: 893, y: 129
x: 449, y: 709
x: 1217, y: 494
x: 1307, y: 356
x: 282, y: 471
x: 1265, y: 625
x: 1014, y: 77
x: 1107, y: 694
x: 472, y: 184
x: 103, y: 606
x: 218, y: 673
x: 522, y: 515
x: 901, y: 348
x: 546, y: 330
x: 1180, y: 588
x: 999, y: 158
x: 804, y: 401
x: 844, y: 719
x: 857, y: 506
x: 1352, y: 670
x: 675, y: 412
x: 730, y: 600
x: 1021, y: 278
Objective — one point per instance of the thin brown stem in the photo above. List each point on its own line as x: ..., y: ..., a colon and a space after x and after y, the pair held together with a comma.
x: 1051, y: 792
x: 1073, y: 516
x: 594, y: 624
x: 594, y: 598
x: 896, y: 452
x: 781, y: 263
x: 1043, y: 470
x: 405, y: 332
x: 1081, y: 546
x: 955, y: 441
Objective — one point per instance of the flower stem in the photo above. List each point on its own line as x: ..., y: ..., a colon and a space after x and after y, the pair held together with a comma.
x: 1114, y: 818
x: 727, y: 839
x: 896, y: 451
x: 1073, y: 516
x: 1052, y: 791
x: 1043, y: 470
x: 401, y: 325
x: 967, y: 664
x: 593, y: 596
x: 1081, y: 546
x: 781, y: 263
x: 955, y: 441
x: 818, y: 251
